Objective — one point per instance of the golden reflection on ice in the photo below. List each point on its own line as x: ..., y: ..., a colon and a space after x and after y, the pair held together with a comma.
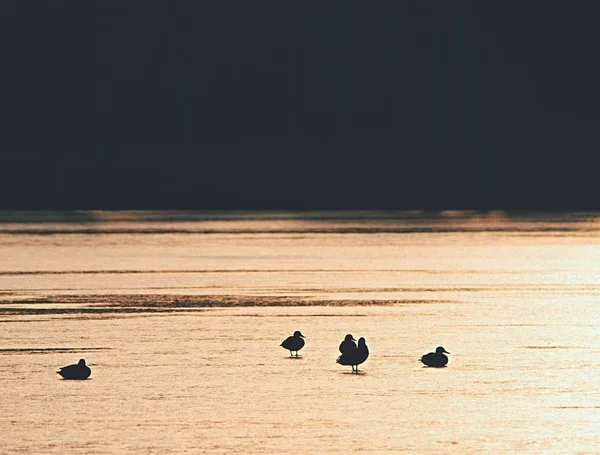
x: 180, y: 316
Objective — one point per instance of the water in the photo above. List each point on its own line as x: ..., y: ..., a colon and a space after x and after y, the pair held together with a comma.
x: 180, y: 316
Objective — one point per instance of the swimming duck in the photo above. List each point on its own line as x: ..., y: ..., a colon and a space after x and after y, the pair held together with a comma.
x: 294, y: 343
x: 78, y: 371
x: 436, y: 359
x: 348, y: 345
x: 354, y: 356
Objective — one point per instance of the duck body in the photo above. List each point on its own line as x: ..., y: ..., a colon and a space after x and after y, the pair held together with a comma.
x: 362, y: 352
x: 436, y: 359
x: 354, y: 356
x: 294, y: 343
x: 77, y: 371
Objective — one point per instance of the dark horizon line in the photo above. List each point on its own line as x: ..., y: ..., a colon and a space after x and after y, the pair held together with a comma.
x: 297, y: 208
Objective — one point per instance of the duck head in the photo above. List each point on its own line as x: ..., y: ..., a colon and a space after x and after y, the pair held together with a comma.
x: 298, y: 334
x: 349, y: 338
x: 441, y: 350
x: 361, y: 342
x: 81, y: 362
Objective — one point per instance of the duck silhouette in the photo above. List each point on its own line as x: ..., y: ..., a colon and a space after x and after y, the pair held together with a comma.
x: 348, y: 345
x: 294, y: 343
x: 436, y: 359
x: 77, y: 371
x: 354, y: 355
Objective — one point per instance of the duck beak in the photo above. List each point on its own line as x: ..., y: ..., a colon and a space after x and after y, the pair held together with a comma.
x: 302, y: 336
x: 446, y: 352
x: 353, y: 339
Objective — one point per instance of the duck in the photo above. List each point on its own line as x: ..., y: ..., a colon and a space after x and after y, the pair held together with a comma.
x: 294, y: 343
x: 77, y: 371
x: 348, y: 345
x: 355, y: 356
x: 436, y: 359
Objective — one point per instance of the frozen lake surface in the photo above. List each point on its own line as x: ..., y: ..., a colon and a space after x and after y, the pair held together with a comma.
x: 180, y: 316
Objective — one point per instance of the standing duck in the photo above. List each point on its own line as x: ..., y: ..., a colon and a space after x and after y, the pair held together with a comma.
x: 77, y: 371
x: 436, y: 359
x: 294, y: 343
x: 354, y: 356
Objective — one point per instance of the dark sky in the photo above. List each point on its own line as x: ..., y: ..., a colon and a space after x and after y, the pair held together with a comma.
x: 298, y: 104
